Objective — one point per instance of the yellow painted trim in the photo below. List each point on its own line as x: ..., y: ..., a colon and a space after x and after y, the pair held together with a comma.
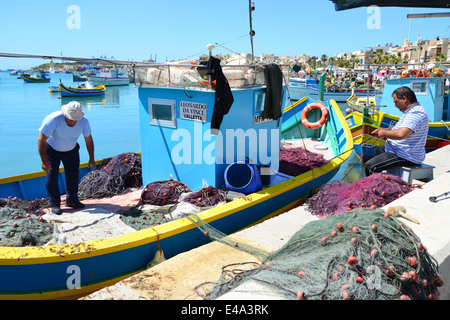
x: 294, y: 104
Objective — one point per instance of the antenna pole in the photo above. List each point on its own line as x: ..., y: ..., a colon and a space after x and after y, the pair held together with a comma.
x: 251, y: 7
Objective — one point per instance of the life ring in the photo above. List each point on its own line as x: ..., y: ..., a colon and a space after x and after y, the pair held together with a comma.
x: 323, y: 119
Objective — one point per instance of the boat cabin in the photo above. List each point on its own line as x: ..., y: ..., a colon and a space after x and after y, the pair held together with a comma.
x: 176, y: 107
x: 431, y: 92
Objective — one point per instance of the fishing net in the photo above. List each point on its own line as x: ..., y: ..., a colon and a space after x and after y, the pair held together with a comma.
x: 362, y: 254
x: 20, y: 228
x: 374, y: 191
x: 117, y: 176
x: 297, y: 160
x: 163, y: 192
x: 29, y: 206
x: 163, y: 201
x: 205, y: 197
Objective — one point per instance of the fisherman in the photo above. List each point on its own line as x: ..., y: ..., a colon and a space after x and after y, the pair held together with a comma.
x: 405, y: 142
x: 58, y: 142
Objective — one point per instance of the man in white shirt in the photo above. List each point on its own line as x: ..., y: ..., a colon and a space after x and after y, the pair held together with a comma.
x: 405, y: 142
x: 58, y: 142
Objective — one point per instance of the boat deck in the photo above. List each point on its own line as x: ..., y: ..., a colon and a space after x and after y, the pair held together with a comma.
x: 101, y: 217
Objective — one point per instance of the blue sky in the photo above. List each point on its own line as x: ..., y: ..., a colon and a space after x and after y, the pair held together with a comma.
x: 179, y: 29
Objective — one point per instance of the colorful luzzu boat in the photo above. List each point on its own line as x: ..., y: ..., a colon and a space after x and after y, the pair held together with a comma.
x: 169, y: 117
x: 83, y: 90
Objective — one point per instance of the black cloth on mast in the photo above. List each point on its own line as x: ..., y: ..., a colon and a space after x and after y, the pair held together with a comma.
x: 224, y: 97
x: 274, y: 91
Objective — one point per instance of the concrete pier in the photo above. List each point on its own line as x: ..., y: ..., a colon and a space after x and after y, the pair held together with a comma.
x: 179, y: 278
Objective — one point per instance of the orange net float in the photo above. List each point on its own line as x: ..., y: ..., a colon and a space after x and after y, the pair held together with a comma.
x: 323, y: 119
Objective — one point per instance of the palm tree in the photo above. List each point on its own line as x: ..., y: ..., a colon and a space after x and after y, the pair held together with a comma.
x: 378, y: 56
x: 441, y: 57
x: 352, y: 61
x: 324, y: 59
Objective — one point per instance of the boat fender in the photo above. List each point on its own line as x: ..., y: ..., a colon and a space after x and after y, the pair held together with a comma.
x: 323, y: 119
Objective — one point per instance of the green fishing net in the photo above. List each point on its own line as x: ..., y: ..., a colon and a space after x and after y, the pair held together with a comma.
x: 20, y: 228
x: 362, y: 254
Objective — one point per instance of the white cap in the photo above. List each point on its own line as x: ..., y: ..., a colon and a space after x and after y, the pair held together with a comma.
x: 72, y: 110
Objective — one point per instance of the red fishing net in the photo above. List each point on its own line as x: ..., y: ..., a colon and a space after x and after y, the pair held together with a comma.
x: 206, y: 197
x: 295, y: 161
x: 374, y: 191
x: 160, y: 193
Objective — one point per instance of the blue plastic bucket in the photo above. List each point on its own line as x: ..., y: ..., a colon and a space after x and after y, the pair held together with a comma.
x: 242, y: 177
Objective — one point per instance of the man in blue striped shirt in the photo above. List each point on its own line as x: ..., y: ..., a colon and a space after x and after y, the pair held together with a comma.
x: 405, y: 142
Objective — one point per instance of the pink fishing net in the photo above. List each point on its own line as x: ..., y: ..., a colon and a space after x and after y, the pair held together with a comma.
x: 295, y: 161
x: 374, y: 191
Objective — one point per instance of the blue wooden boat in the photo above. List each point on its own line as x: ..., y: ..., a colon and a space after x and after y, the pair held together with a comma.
x: 83, y: 90
x: 307, y: 87
x: 432, y: 95
x: 175, y: 126
x: 35, y: 77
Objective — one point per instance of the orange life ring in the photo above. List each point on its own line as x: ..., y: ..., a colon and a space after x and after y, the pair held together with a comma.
x: 323, y: 119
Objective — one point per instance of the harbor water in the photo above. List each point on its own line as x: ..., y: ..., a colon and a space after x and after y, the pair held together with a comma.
x: 114, y: 119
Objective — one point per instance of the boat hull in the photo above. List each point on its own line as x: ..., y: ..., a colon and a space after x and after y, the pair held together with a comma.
x: 72, y: 270
x: 108, y: 81
x: 28, y: 79
x: 81, y: 92
x: 298, y: 92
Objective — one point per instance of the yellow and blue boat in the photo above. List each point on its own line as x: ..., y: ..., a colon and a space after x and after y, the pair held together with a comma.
x: 35, y: 77
x: 83, y: 90
x: 176, y: 140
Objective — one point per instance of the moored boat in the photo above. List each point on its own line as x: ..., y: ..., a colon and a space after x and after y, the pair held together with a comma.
x: 83, y: 90
x: 108, y: 77
x: 76, y: 77
x: 35, y: 77
x: 184, y: 110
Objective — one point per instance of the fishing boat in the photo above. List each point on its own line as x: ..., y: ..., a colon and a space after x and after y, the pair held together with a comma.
x: 53, y: 89
x: 178, y: 139
x: 35, y: 77
x: 310, y: 88
x: 83, y: 90
x: 432, y: 94
x: 108, y: 77
x: 76, y: 77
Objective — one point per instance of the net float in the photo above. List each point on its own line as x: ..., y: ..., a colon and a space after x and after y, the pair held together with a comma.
x: 412, y: 262
x: 352, y: 261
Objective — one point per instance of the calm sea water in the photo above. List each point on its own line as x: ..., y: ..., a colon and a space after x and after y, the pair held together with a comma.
x: 114, y: 120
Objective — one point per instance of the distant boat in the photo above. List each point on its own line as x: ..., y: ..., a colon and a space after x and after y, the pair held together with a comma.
x: 79, y: 77
x: 108, y: 77
x: 35, y: 77
x: 83, y: 90
x: 53, y: 89
x: 301, y: 87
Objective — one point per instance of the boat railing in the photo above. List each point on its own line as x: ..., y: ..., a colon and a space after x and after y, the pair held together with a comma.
x: 195, y: 75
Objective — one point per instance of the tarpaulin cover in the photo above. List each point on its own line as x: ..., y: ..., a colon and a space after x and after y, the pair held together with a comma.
x: 350, y: 4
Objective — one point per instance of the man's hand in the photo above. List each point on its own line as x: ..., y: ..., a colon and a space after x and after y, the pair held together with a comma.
x: 46, y: 166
